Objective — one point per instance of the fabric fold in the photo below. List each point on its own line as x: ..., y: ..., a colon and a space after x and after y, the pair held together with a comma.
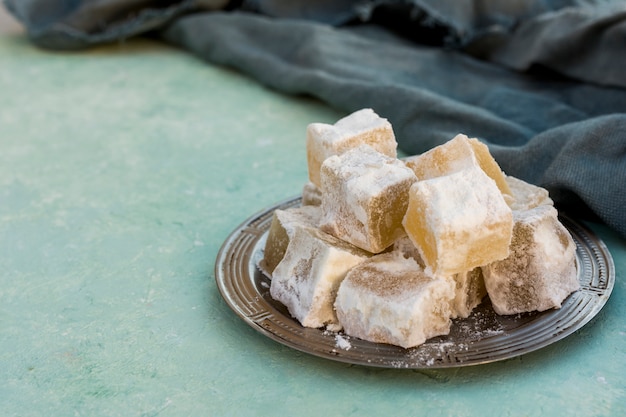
x: 63, y: 25
x: 540, y: 81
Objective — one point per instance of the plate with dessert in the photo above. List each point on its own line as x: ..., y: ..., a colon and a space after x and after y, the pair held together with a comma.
x: 432, y: 261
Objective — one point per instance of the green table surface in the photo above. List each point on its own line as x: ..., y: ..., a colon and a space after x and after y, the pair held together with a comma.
x: 122, y: 171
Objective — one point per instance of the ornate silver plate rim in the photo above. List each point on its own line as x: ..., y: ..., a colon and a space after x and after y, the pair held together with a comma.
x: 481, y: 338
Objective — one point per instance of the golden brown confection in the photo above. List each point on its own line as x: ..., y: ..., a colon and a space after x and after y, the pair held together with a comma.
x: 525, y: 195
x: 363, y: 127
x: 283, y: 226
x: 458, y: 221
x: 364, y: 198
x: 541, y: 269
x: 457, y: 154
x: 307, y: 278
x: 390, y: 299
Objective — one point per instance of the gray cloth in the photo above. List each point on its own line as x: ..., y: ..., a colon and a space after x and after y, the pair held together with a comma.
x: 543, y: 83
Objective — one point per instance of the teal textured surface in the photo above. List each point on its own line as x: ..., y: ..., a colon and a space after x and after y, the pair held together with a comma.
x: 122, y: 171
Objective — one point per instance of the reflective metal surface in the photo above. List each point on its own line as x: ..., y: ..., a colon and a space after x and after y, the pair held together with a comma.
x: 481, y: 338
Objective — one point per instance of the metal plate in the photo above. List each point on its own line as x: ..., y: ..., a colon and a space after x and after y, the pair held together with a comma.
x: 481, y: 338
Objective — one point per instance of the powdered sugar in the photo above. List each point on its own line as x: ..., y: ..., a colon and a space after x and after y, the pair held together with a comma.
x: 342, y: 342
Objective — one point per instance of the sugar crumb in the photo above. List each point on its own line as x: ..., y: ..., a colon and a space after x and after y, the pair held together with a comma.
x: 342, y: 342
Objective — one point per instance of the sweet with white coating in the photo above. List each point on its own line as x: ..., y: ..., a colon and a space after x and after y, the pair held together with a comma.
x: 363, y: 127
x: 470, y: 285
x: 364, y: 198
x: 282, y: 228
x: 307, y: 278
x: 541, y: 270
x: 458, y: 221
x: 390, y: 299
x: 527, y: 196
x: 457, y: 154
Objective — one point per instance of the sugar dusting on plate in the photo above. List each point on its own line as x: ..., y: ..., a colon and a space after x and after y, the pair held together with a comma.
x: 342, y: 342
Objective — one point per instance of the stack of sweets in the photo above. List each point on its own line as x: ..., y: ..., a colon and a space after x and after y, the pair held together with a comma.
x: 391, y: 250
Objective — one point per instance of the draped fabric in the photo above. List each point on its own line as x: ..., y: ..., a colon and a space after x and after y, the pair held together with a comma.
x: 542, y: 82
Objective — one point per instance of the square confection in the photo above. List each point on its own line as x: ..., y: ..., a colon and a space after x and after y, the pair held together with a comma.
x: 282, y: 228
x: 307, y: 278
x: 364, y: 197
x: 390, y: 299
x: 526, y: 196
x: 455, y: 155
x: 541, y: 269
x: 469, y: 286
x: 361, y: 127
x: 458, y: 221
